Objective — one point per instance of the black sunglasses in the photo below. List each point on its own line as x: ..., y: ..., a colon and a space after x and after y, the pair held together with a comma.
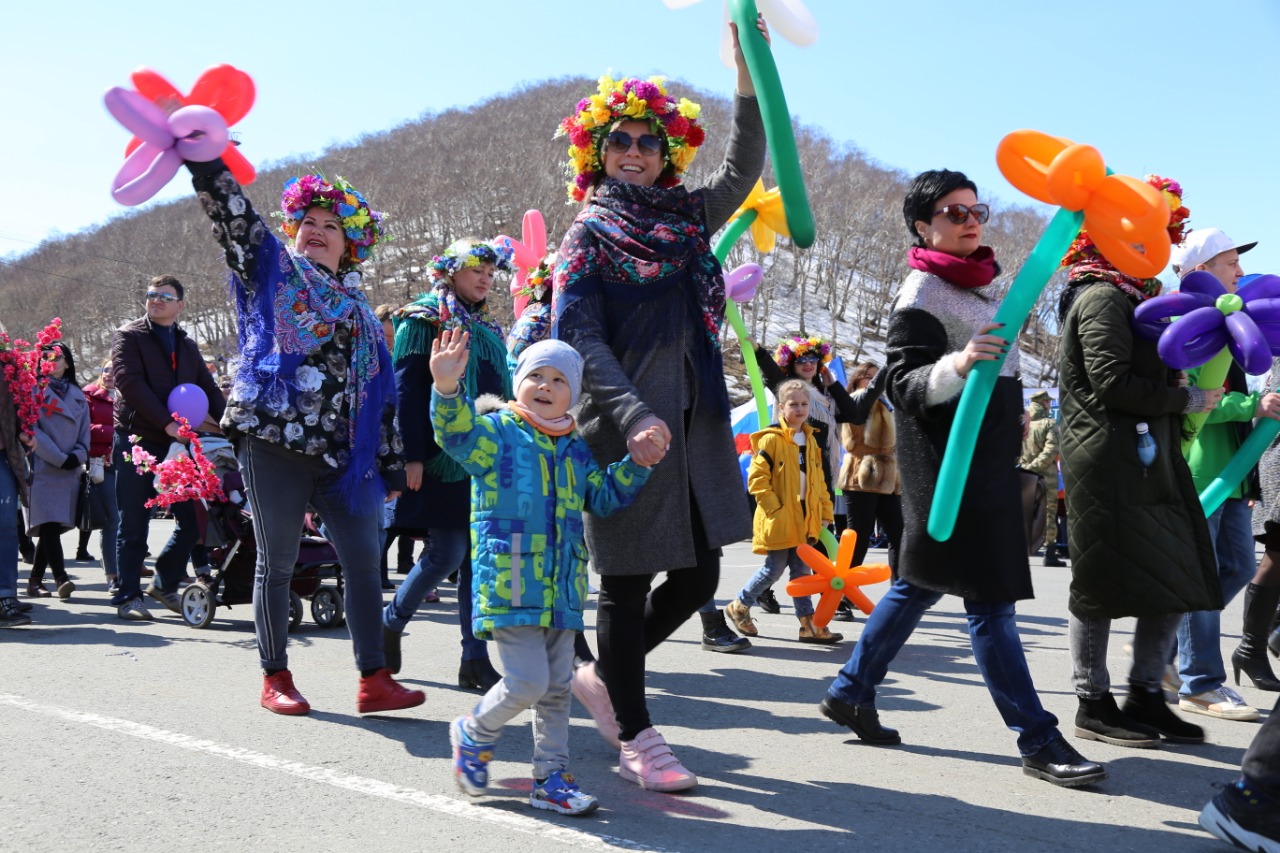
x: 156, y: 296
x: 619, y: 142
x: 958, y: 213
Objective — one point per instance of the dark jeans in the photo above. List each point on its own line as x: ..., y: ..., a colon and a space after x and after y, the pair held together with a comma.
x: 133, y: 489
x: 1262, y: 759
x: 448, y: 550
x: 862, y: 510
x: 993, y: 635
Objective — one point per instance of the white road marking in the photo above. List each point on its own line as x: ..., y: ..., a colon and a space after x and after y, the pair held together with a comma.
x: 360, y: 784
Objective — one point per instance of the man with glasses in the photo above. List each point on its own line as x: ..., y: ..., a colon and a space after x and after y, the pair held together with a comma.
x: 150, y: 357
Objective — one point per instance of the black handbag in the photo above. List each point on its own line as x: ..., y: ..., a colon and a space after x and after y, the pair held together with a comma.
x: 90, y: 512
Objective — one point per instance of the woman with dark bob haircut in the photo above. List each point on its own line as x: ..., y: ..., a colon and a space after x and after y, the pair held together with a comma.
x: 939, y: 329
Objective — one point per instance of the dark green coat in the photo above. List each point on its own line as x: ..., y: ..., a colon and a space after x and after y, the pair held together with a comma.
x: 1139, y: 542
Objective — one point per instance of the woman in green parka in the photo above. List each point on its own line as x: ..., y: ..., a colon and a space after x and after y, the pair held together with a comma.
x: 1139, y: 543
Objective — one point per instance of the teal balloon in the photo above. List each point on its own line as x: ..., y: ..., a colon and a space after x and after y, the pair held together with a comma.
x: 975, y: 397
x: 1238, y: 468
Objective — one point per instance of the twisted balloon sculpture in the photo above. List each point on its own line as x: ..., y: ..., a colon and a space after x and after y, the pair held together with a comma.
x: 1126, y: 219
x: 834, y: 580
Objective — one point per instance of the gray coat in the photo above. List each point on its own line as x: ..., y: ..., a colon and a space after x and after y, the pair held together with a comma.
x: 623, y: 385
x: 1266, y: 515
x: 61, y: 431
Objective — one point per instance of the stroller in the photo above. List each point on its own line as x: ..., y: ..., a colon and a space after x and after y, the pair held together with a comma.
x: 233, y: 554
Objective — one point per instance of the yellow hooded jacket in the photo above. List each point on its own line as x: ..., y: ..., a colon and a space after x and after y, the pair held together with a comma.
x: 774, y: 481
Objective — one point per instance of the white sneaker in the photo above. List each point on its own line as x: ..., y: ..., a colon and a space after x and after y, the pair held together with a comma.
x: 1223, y: 703
x: 133, y: 611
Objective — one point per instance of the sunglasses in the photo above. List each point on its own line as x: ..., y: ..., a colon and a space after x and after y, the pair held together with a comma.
x: 619, y: 142
x: 154, y: 296
x: 958, y: 213
x: 807, y: 359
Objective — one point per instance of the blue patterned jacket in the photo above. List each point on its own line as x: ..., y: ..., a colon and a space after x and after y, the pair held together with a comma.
x: 528, y: 493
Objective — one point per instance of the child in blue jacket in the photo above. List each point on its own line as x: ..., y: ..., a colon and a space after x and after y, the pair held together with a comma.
x: 532, y: 478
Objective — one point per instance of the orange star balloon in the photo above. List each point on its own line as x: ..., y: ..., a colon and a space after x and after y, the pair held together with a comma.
x: 837, y: 580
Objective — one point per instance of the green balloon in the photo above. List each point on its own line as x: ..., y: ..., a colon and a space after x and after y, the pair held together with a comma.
x: 736, y: 229
x: 828, y: 540
x: 1013, y: 312
x: 777, y: 123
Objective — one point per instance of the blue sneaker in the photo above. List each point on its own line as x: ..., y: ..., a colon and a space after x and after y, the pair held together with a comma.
x: 470, y: 759
x: 560, y: 793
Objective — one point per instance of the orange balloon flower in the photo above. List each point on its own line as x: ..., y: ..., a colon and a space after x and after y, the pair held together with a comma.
x: 837, y: 580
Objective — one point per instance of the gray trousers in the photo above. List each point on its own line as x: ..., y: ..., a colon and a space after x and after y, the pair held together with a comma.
x: 537, y: 666
x: 280, y: 483
x: 1153, y: 638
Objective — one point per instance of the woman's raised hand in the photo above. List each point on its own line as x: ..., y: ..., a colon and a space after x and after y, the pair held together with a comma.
x: 745, y: 86
x: 983, y: 346
x: 449, y: 354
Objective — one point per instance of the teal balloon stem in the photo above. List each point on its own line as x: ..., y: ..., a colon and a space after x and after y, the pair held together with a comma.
x: 736, y: 229
x: 1238, y: 468
x: 1013, y: 312
x: 777, y: 123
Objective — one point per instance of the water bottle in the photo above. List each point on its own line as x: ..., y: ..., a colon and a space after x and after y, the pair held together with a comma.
x: 1146, y: 447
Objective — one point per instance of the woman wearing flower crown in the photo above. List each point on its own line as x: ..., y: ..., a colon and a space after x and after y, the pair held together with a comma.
x: 534, y: 322
x: 641, y: 296
x: 311, y: 410
x: 438, y: 500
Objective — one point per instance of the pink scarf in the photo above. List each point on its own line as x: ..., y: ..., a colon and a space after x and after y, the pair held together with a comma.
x: 562, y: 425
x: 977, y: 270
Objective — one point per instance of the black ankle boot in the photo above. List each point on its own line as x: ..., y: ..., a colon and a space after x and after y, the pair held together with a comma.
x: 767, y: 602
x: 1051, y: 556
x: 1149, y: 708
x: 717, y: 637
x: 1058, y: 763
x: 1100, y: 719
x: 1251, y: 655
x: 477, y: 674
x: 863, y: 720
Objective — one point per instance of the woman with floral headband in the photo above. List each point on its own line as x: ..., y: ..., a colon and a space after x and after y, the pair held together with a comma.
x: 534, y: 322
x: 437, y: 502
x: 311, y: 410
x: 1140, y: 545
x: 641, y: 296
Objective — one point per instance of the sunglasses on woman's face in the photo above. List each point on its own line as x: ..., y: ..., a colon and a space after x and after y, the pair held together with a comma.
x: 619, y: 142
x: 958, y: 213
x: 807, y: 359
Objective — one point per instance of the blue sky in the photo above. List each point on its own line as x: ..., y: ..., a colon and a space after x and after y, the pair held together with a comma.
x: 1186, y: 89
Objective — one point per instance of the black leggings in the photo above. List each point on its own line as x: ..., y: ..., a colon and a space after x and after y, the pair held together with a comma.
x: 49, y: 553
x: 864, y: 509
x: 631, y: 621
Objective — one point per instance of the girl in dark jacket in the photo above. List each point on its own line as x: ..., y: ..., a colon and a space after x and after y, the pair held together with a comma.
x: 940, y: 328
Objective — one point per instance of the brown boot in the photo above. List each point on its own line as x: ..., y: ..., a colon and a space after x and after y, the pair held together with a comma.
x: 741, y: 616
x: 811, y: 633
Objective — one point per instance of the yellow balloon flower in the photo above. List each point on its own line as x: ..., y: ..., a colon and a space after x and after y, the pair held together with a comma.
x: 771, y: 219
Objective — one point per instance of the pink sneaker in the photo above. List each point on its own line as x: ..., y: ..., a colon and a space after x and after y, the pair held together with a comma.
x: 649, y: 762
x: 593, y: 695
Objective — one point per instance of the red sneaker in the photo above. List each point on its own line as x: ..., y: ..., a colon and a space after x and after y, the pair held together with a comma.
x: 381, y: 692
x: 280, y: 696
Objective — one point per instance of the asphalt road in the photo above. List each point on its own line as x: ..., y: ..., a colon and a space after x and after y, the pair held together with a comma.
x: 125, y: 736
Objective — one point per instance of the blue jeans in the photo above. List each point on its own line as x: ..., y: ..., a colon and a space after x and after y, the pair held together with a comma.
x: 767, y: 575
x: 993, y: 635
x: 448, y: 550
x: 1199, y: 633
x: 280, y: 484
x: 133, y: 490
x: 9, y: 531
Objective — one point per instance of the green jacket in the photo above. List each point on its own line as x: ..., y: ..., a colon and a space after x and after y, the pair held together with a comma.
x: 1220, y: 437
x: 1040, y: 447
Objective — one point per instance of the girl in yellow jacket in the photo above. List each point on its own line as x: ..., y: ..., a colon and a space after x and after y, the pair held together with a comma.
x: 792, y: 505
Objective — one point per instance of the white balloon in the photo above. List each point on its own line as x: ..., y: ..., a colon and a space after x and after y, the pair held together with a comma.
x: 791, y: 20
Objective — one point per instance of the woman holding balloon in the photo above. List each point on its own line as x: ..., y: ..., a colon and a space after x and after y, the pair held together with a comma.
x: 311, y: 409
x: 1139, y: 542
x: 939, y: 329
x: 641, y: 296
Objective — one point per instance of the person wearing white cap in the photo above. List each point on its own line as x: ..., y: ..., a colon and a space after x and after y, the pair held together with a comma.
x: 1201, y: 675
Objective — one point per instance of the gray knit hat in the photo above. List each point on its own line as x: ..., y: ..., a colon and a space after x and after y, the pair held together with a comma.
x: 552, y: 353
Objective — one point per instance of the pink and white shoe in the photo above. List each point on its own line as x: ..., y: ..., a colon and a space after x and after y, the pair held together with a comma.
x: 651, y: 764
x: 594, y: 696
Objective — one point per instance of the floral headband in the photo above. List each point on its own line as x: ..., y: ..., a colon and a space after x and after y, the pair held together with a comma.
x: 538, y: 280
x: 620, y: 100
x: 468, y: 254
x: 1083, y: 249
x: 797, y: 347
x: 362, y: 224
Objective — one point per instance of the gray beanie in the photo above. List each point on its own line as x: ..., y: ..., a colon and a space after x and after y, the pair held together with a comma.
x: 552, y: 353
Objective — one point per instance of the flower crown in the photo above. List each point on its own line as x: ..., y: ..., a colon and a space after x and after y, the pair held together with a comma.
x: 1083, y: 249
x: 538, y: 280
x: 468, y: 254
x: 362, y: 225
x: 620, y: 100
x: 796, y: 347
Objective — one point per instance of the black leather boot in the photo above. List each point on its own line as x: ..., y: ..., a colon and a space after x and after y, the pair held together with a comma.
x: 1148, y: 707
x: 768, y: 602
x: 1051, y: 556
x: 864, y: 721
x: 1058, y: 763
x: 1251, y: 655
x: 717, y: 636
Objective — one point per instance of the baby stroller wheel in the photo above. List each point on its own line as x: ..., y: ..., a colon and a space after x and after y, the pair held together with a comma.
x: 295, y: 610
x: 327, y: 609
x: 198, y: 605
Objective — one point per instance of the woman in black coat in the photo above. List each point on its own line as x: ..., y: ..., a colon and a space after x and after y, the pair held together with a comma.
x: 939, y: 329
